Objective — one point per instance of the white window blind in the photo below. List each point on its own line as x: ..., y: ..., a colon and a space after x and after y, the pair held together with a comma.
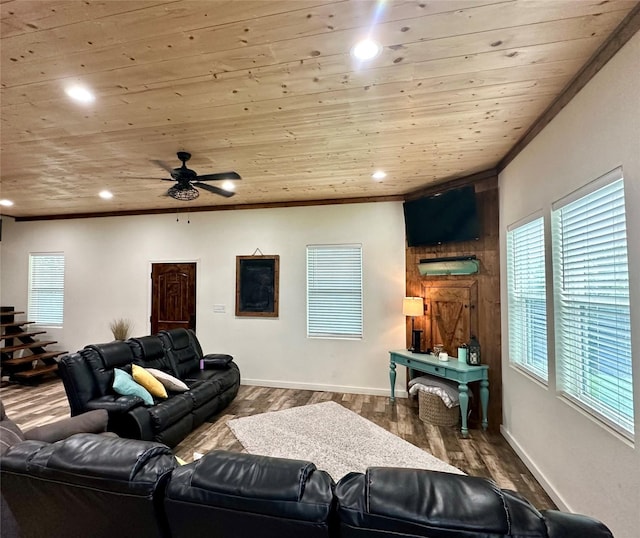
x: 527, y: 301
x: 591, y: 285
x: 46, y: 289
x: 334, y: 291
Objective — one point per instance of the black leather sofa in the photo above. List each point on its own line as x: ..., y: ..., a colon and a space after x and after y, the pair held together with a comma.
x: 88, y: 379
x: 89, y: 485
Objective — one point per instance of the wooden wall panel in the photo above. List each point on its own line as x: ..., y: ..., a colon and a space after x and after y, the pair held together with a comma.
x: 488, y: 285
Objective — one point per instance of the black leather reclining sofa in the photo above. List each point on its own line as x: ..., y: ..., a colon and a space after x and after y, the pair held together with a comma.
x: 88, y: 378
x: 105, y: 487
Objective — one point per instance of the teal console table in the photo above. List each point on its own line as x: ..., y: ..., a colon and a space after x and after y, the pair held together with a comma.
x: 453, y: 370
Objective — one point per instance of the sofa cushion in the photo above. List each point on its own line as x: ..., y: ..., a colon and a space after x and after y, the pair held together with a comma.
x: 170, y: 383
x: 223, y: 378
x: 10, y: 434
x: 124, y: 384
x: 167, y: 412
x: 416, y: 502
x: 182, y: 353
x: 237, y: 494
x: 90, y: 422
x: 202, y: 392
x: 149, y: 352
x: 113, y: 354
x: 146, y: 379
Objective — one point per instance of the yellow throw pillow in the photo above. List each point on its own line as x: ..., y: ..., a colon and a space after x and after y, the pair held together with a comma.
x: 149, y: 382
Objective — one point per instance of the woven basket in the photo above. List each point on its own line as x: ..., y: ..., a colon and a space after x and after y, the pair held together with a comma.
x: 433, y: 410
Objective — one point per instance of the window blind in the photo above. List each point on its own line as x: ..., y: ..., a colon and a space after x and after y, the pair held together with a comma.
x: 46, y: 289
x: 334, y: 291
x: 527, y: 301
x: 591, y: 285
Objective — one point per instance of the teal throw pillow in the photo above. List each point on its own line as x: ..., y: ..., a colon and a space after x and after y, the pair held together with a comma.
x: 124, y: 384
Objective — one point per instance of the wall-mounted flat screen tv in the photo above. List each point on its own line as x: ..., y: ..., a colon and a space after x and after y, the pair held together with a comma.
x: 446, y: 217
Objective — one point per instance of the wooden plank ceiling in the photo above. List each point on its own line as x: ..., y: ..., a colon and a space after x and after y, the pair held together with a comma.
x: 268, y: 88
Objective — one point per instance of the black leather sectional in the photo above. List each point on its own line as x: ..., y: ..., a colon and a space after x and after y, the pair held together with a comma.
x: 105, y: 487
x: 88, y: 378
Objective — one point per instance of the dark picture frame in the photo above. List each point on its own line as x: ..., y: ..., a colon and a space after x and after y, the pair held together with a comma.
x: 257, y: 286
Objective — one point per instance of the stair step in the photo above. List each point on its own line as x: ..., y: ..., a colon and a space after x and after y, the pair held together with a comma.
x: 26, y: 374
x: 40, y: 356
x: 23, y: 334
x: 15, y: 323
x: 11, y: 349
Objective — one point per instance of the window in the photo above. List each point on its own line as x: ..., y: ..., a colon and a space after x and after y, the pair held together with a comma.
x: 334, y: 291
x: 527, y: 297
x: 46, y: 289
x: 591, y: 286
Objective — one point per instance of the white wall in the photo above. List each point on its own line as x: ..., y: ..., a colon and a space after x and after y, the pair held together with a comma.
x: 585, y: 467
x: 107, y: 275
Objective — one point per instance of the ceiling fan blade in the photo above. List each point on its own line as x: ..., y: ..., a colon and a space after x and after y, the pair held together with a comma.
x: 215, y: 190
x: 154, y: 178
x: 162, y: 165
x: 222, y: 175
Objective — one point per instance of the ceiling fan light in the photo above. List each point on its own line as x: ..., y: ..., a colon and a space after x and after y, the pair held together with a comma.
x: 366, y: 49
x: 80, y: 94
x: 183, y: 193
x: 229, y: 186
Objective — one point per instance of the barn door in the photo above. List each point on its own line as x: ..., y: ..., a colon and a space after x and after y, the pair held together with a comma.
x: 451, y: 316
x: 173, y: 296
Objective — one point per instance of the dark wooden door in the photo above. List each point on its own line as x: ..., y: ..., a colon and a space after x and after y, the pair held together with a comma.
x: 173, y: 296
x: 451, y: 315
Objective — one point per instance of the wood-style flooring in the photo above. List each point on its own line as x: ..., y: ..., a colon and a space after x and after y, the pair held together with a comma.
x: 482, y: 454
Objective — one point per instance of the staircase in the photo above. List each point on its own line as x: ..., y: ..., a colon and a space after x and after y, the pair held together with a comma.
x: 22, y: 357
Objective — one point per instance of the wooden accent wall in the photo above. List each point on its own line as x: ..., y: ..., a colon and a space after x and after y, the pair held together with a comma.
x: 488, y: 286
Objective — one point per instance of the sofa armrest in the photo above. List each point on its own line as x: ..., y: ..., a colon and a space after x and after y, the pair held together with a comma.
x: 216, y: 361
x: 114, y: 403
x: 91, y: 422
x: 560, y: 524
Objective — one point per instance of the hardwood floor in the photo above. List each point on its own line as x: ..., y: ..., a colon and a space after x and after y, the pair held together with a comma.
x: 482, y: 454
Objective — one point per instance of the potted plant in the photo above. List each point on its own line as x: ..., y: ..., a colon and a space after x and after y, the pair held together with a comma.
x: 121, y: 328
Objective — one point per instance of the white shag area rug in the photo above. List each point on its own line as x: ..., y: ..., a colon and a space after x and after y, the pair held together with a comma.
x: 336, y: 439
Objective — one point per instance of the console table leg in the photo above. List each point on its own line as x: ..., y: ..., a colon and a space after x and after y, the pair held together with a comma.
x: 392, y: 378
x: 463, y: 391
x: 484, y: 400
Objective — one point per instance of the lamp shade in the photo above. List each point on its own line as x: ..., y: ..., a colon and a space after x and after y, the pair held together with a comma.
x: 413, y: 306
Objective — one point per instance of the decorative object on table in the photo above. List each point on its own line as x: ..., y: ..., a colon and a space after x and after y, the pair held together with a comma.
x: 473, y: 356
x: 462, y: 353
x: 257, y: 285
x: 121, y: 328
x: 443, y: 356
x: 437, y: 349
x: 414, y: 306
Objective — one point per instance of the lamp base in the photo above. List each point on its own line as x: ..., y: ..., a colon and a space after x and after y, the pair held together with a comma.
x: 416, y: 336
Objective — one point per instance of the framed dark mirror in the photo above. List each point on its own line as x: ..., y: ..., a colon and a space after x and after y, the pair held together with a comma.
x: 257, y: 286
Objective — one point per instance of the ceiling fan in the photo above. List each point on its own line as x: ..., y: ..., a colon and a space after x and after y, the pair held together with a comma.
x: 186, y: 180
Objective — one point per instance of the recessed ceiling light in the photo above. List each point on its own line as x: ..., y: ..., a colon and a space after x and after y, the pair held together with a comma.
x: 366, y: 49
x: 80, y: 94
x: 106, y: 195
x: 6, y: 203
x: 379, y: 175
x: 229, y: 186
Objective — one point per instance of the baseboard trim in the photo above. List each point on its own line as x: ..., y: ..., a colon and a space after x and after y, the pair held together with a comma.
x: 535, y: 470
x: 322, y: 388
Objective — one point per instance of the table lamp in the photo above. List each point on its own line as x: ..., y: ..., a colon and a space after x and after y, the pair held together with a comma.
x: 413, y: 306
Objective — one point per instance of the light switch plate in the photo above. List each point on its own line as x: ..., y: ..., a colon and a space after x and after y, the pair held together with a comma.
x: 218, y: 309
